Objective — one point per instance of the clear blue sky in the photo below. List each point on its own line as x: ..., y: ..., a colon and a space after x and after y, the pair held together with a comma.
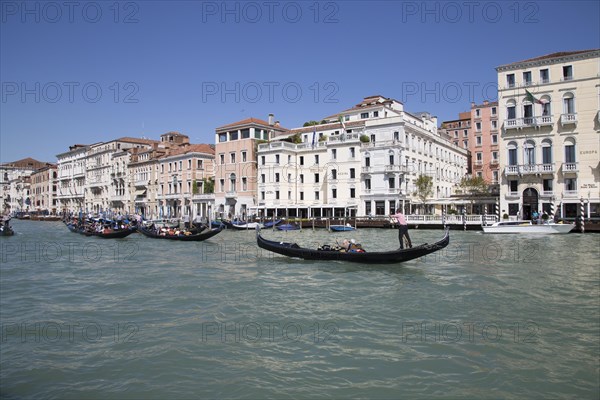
x: 162, y: 66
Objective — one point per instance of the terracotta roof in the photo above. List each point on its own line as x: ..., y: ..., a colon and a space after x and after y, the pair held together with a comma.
x: 552, y: 55
x: 193, y: 148
x: 26, y: 163
x: 249, y: 121
x: 128, y: 139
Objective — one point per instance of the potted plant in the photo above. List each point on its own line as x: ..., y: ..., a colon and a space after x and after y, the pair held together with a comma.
x: 364, y: 139
x: 505, y: 216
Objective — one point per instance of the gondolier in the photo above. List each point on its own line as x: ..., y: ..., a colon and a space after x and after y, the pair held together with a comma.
x: 402, y: 228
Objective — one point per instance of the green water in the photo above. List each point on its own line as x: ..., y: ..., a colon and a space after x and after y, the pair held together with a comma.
x: 488, y: 317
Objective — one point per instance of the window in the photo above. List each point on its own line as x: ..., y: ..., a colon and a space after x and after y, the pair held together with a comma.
x: 352, y: 173
x: 568, y: 104
x: 276, y: 176
x: 262, y: 195
x: 352, y: 152
x: 478, y: 112
x: 368, y: 184
x: 232, y: 157
x: 479, y: 157
x: 189, y: 164
x: 527, y: 78
x: 245, y: 133
x: 180, y: 165
x: 493, y: 111
x: 570, y: 153
x: 334, y: 193
x: 479, y: 174
x: 570, y: 184
x: 301, y: 178
x: 244, y: 156
x: 301, y: 195
x: 316, y: 195
x: 333, y: 174
x: 222, y: 137
x: 277, y: 195
x: 544, y: 76
x: 391, y: 159
x: 375, y: 113
x: 316, y: 159
x: 380, y: 208
x: 392, y: 183
x: 289, y: 178
x: 478, y: 141
x: 289, y: 159
x: 334, y: 154
x: 547, y: 185
x: 495, y: 176
x: 257, y: 136
x: 546, y: 112
x: 233, y: 135
x: 528, y: 111
x: 396, y: 136
x: 276, y: 158
x: 494, y: 125
x: 222, y: 184
x: 547, y: 154
x: 495, y: 156
x: 262, y: 160
x: 465, y: 143
x: 512, y: 156
x: 510, y: 80
x: 567, y: 72
x: 368, y: 207
x: 200, y: 165
x: 263, y: 178
x: 364, y: 115
x: 511, y: 111
x: 372, y: 138
x: 170, y: 167
x: 367, y: 161
x: 352, y: 193
x: 162, y: 168
x: 465, y: 133
x: 513, y: 186
x: 316, y: 178
x: 346, y: 118
x: 455, y: 134
x: 529, y: 153
x: 222, y: 158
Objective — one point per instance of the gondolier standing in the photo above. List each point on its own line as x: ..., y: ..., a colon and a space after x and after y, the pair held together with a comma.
x: 402, y: 228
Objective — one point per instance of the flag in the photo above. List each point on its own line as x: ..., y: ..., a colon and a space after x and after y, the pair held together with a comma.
x: 314, y: 135
x: 531, y: 98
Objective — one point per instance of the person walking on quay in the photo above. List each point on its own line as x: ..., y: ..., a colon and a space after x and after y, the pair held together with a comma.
x: 402, y: 228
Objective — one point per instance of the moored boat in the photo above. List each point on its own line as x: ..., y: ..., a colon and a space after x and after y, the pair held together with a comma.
x: 270, y: 224
x: 377, y: 257
x: 288, y: 227
x: 524, y: 226
x: 242, y: 226
x: 341, y: 228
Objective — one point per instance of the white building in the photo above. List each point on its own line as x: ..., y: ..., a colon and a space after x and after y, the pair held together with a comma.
x: 15, y: 194
x: 362, y: 161
x: 550, y: 139
x: 106, y: 181
x: 71, y: 178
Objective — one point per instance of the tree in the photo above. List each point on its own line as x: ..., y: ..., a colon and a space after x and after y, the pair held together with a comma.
x: 364, y: 139
x: 474, y: 185
x: 194, y: 187
x: 209, y: 185
x: 311, y: 123
x: 424, y: 186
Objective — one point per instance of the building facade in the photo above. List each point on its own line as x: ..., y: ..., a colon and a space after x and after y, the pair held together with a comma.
x: 71, y: 179
x: 44, y: 189
x: 235, y: 168
x: 15, y: 181
x: 484, y: 142
x: 550, y: 142
x: 362, y: 161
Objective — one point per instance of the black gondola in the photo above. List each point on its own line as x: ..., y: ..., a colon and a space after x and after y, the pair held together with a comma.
x: 6, y: 231
x: 377, y: 257
x: 113, y: 234
x: 196, y: 237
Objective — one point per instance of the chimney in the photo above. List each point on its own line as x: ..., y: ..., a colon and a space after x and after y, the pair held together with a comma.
x: 485, y: 102
x: 277, y: 123
x: 472, y: 105
x: 271, y: 118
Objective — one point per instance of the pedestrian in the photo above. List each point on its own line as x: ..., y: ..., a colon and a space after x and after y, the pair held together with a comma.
x: 402, y: 228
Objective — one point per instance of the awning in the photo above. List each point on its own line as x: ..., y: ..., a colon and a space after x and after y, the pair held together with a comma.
x: 140, y: 192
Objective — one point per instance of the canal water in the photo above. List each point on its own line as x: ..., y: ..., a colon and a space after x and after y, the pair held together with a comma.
x: 490, y: 316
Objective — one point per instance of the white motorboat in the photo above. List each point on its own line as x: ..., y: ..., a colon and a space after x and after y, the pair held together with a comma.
x: 527, y: 227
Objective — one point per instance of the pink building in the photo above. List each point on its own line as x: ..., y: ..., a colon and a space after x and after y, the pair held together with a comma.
x: 484, y: 142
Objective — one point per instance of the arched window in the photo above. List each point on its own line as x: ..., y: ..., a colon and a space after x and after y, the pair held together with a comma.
x: 512, y: 153
x: 232, y: 182
x: 529, y: 152
x: 547, y: 151
x: 568, y: 103
x: 570, y: 150
x: 546, y: 106
x: 511, y: 109
x: 527, y: 112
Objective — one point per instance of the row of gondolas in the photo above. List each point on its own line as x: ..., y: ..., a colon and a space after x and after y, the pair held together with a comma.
x: 348, y: 251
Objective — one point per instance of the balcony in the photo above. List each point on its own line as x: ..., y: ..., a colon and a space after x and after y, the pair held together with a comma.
x: 231, y: 194
x: 393, y: 168
x: 203, y: 196
x: 513, y: 123
x: 365, y: 170
x: 527, y: 122
x: 569, y: 167
x: 494, y: 162
x: 512, y: 195
x: 544, y: 120
x: 566, y: 119
x: 571, y: 194
x: 548, y: 193
x: 511, y: 170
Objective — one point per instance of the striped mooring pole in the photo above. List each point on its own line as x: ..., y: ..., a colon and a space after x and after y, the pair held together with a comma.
x: 484, y: 222
x: 582, y: 210
x: 464, y: 217
x: 551, y: 216
x: 444, y: 216
x: 497, y: 210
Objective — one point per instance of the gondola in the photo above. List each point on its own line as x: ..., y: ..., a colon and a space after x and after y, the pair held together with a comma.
x: 6, y: 231
x: 341, y: 228
x: 241, y: 226
x: 270, y: 224
x: 197, y: 237
x: 118, y: 234
x: 288, y: 227
x: 376, y: 257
